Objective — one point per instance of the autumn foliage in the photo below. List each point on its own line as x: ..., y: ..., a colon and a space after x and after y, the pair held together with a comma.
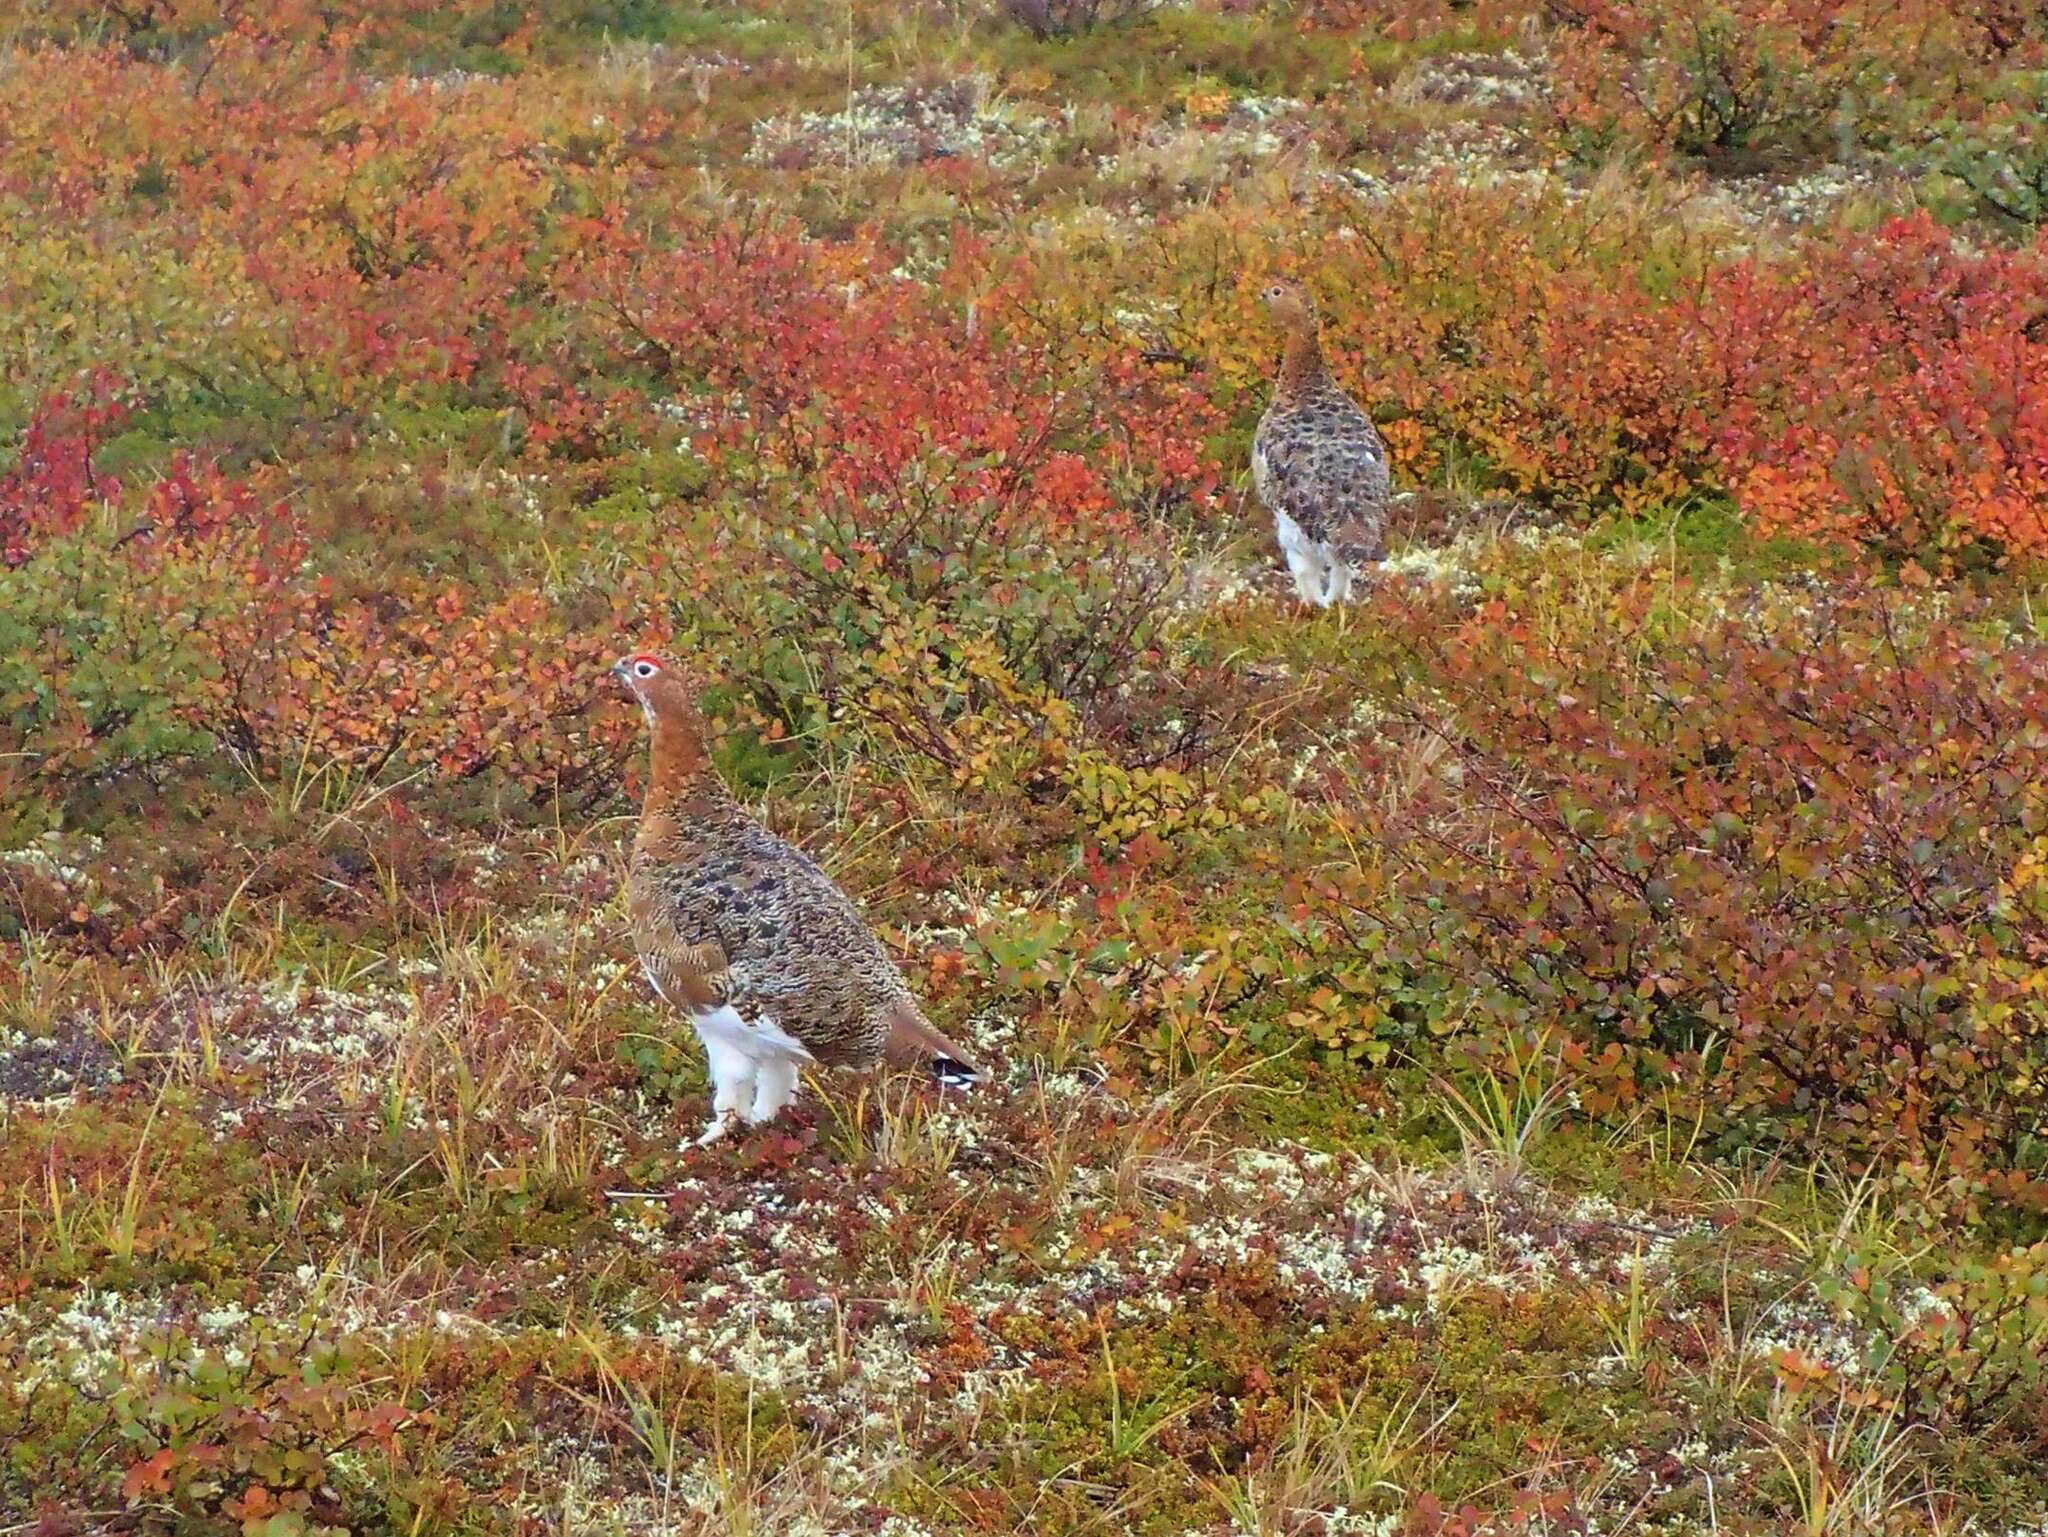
x: 205, y: 624
x: 1559, y: 1045
x: 1788, y: 862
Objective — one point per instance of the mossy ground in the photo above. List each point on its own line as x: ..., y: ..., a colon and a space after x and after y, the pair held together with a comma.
x: 344, y: 1170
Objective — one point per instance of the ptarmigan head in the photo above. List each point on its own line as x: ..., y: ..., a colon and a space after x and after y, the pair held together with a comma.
x: 1289, y: 304
x: 654, y: 682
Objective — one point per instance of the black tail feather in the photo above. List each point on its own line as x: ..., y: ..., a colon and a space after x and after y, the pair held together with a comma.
x: 954, y: 1075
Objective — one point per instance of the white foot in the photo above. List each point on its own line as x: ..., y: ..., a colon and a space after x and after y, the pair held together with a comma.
x: 1310, y: 576
x: 774, y: 1088
x: 1311, y: 582
x: 732, y: 1075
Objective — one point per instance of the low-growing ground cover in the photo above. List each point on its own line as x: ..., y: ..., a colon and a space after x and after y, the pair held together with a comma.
x: 1560, y: 1046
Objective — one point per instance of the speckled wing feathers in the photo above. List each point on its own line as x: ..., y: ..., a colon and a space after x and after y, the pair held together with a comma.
x: 1318, y: 460
x: 689, y: 973
x: 794, y: 948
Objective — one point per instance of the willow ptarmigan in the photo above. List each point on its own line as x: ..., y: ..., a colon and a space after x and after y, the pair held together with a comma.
x: 1318, y: 463
x: 744, y: 932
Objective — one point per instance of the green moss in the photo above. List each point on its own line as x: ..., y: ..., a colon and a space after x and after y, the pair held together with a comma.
x: 1161, y: 54
x: 1319, y: 1104
x: 747, y: 35
x: 1707, y: 537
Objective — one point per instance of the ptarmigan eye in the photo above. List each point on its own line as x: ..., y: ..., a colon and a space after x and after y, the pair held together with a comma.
x: 643, y: 669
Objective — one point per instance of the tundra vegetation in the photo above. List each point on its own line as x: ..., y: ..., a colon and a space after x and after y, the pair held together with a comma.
x: 1557, y: 1046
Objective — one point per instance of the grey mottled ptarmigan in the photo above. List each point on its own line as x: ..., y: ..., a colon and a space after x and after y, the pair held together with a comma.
x: 744, y: 933
x: 1318, y: 463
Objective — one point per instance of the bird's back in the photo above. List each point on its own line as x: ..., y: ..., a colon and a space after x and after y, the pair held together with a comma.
x: 794, y: 947
x: 1318, y: 460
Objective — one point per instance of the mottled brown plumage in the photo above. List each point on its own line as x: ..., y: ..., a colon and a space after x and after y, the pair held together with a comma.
x: 1318, y: 463
x: 771, y: 960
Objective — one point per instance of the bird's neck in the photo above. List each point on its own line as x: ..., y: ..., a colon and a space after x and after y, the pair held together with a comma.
x: 682, y: 782
x: 1302, y: 363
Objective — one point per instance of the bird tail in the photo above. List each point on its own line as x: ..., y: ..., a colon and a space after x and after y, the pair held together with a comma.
x: 1359, y: 542
x: 913, y: 1043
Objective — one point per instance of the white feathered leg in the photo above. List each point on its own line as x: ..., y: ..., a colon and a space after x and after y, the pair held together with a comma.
x: 1308, y: 577
x: 1338, y: 589
x: 774, y: 1088
x: 732, y: 1065
x: 1303, y: 559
